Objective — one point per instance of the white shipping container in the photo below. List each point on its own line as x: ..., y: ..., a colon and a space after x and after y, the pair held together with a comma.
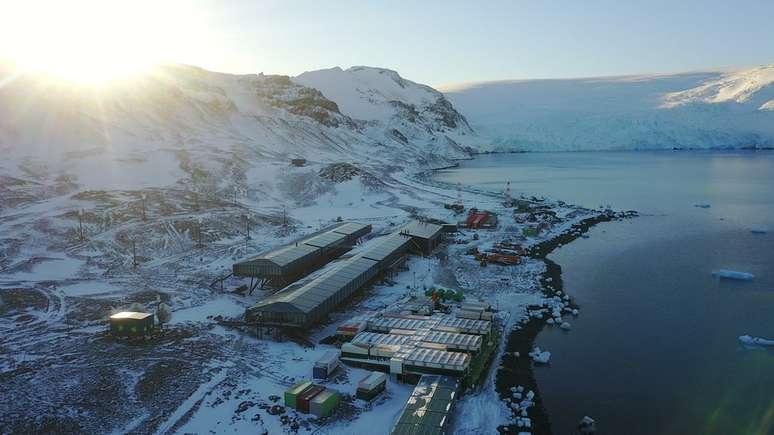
x: 372, y: 381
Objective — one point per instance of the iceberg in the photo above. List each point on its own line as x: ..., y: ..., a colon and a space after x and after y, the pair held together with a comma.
x: 540, y: 357
x: 733, y: 274
x: 755, y: 341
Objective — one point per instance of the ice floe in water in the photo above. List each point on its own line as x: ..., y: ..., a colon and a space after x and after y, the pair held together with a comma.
x: 755, y: 341
x: 733, y: 274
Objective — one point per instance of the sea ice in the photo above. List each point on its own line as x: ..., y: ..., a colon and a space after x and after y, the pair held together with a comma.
x: 755, y: 341
x: 733, y: 274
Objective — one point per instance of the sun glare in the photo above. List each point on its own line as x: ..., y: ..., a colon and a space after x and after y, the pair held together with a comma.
x: 87, y: 42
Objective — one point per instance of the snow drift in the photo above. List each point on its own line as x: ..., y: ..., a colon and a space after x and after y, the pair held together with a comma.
x: 714, y: 109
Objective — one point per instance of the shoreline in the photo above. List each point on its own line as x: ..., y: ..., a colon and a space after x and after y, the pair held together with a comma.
x: 514, y: 371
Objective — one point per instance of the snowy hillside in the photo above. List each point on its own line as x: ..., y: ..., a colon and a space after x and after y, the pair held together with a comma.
x: 407, y: 111
x: 694, y: 110
x: 184, y: 120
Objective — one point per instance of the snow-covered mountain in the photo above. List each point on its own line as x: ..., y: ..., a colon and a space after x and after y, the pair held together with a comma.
x: 713, y: 109
x: 408, y: 111
x: 182, y: 119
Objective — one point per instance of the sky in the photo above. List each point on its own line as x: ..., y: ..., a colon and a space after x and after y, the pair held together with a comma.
x: 433, y: 42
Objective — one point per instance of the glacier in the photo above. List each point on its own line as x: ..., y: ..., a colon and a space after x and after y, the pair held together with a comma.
x: 697, y: 110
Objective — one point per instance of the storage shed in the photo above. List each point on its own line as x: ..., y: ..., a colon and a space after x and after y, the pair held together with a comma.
x: 426, y: 236
x: 429, y: 408
x: 131, y: 324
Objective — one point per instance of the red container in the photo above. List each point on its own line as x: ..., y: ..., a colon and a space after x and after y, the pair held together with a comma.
x: 304, y: 398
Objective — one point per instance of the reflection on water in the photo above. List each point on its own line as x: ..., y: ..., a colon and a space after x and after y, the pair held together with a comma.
x: 655, y: 349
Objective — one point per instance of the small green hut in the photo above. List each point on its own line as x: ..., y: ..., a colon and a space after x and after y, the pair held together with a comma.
x: 131, y: 324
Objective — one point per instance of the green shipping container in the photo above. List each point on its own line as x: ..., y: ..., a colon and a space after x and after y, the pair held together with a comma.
x: 291, y: 395
x: 324, y: 403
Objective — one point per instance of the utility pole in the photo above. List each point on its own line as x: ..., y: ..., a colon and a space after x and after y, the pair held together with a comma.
x: 80, y: 225
x: 199, y: 233
x: 142, y: 202
x: 284, y: 216
x: 134, y: 253
x: 236, y: 204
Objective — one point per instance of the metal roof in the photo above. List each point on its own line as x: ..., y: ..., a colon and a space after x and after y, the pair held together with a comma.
x: 285, y: 255
x: 385, y: 246
x: 130, y: 315
x: 422, y: 230
x: 350, y: 228
x: 375, y: 338
x: 467, y: 325
x: 424, y: 356
x: 307, y: 297
x: 326, y: 239
x: 453, y: 339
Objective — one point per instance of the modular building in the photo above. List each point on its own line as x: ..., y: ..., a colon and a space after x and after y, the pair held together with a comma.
x: 370, y: 386
x: 323, y: 404
x: 303, y: 305
x: 286, y: 264
x: 131, y: 324
x: 428, y: 410
x: 326, y: 365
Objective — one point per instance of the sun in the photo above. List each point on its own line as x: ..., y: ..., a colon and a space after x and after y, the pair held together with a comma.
x: 86, y: 42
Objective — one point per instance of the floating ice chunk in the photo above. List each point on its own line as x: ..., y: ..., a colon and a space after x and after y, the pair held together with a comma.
x: 575, y: 312
x: 585, y: 236
x: 587, y: 426
x: 759, y: 230
x: 550, y: 321
x: 565, y: 325
x: 517, y: 396
x: 541, y: 357
x: 755, y: 341
x: 702, y: 205
x: 530, y: 395
x: 519, y: 388
x: 733, y: 274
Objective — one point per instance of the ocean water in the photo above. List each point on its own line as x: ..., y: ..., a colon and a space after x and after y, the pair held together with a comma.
x: 655, y: 349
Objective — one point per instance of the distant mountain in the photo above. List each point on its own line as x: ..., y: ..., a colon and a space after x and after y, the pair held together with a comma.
x: 713, y: 109
x: 183, y: 119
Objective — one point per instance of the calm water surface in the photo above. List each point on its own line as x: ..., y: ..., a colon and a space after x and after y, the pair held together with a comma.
x: 655, y: 349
